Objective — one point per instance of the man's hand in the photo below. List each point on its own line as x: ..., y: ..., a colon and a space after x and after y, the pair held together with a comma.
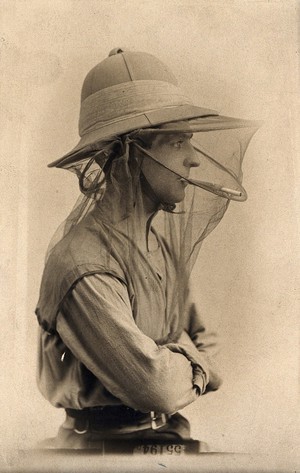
x: 214, y: 379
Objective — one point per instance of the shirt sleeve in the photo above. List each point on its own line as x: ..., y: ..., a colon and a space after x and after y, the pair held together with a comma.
x: 97, y: 325
x: 205, y: 342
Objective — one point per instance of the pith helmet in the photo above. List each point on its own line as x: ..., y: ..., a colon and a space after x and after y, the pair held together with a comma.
x: 129, y: 91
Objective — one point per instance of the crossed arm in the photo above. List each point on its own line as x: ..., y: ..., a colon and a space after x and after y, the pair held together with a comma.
x: 97, y: 325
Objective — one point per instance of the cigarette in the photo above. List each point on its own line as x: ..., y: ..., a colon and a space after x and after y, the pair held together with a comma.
x: 231, y: 191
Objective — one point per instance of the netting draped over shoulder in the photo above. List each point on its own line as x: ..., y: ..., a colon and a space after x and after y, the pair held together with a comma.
x: 111, y: 183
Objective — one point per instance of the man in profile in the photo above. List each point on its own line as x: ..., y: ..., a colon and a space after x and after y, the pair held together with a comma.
x: 122, y: 345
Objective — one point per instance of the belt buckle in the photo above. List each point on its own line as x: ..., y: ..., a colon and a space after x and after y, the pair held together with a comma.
x: 81, y: 426
x: 155, y: 418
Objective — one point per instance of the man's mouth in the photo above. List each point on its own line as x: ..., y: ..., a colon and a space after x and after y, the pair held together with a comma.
x: 183, y: 181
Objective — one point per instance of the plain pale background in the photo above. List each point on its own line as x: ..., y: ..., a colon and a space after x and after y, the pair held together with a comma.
x: 239, y: 57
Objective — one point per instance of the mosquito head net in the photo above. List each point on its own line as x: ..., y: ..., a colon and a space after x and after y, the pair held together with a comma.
x: 152, y: 167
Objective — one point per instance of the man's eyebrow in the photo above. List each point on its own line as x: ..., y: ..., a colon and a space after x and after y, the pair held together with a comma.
x: 164, y: 138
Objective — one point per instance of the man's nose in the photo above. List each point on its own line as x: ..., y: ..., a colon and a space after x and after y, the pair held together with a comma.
x: 191, y: 159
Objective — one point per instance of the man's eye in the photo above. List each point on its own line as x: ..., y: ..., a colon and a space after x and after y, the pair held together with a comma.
x: 179, y: 143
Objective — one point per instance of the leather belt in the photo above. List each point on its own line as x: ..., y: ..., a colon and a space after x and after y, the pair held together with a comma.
x: 115, y: 419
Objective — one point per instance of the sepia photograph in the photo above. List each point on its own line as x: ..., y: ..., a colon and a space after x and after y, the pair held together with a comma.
x: 150, y: 236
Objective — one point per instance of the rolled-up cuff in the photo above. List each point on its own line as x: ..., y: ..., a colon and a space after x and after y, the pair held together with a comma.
x: 200, y: 367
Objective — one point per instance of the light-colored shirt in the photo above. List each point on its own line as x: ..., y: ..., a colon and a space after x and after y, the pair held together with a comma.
x: 113, y: 330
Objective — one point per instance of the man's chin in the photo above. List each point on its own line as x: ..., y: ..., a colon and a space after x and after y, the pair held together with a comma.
x: 172, y: 198
x: 175, y: 200
x: 179, y: 198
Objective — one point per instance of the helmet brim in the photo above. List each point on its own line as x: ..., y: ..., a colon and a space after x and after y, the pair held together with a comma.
x: 197, y: 119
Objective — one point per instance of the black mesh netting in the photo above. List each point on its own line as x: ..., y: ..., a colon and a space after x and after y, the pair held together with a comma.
x: 113, y: 189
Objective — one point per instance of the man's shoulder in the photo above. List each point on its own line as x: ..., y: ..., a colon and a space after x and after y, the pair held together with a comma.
x: 86, y: 249
x: 81, y: 240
